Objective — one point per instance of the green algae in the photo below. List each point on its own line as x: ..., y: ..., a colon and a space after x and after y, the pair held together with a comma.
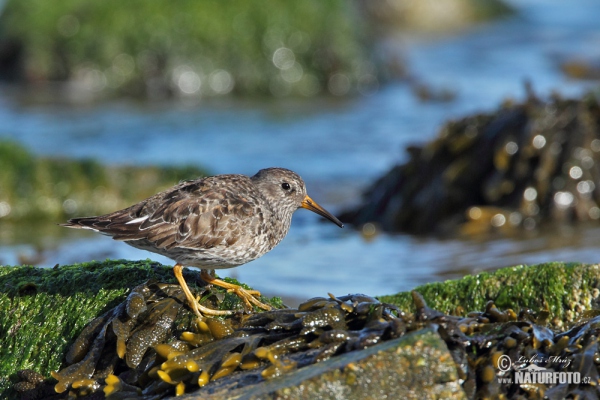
x: 565, y: 290
x: 42, y: 188
x: 146, y: 48
x: 42, y: 310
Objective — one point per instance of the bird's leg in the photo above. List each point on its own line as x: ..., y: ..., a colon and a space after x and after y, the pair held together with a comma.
x: 198, y: 308
x: 246, y: 295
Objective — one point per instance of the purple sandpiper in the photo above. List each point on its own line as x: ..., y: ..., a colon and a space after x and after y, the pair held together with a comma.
x: 215, y: 222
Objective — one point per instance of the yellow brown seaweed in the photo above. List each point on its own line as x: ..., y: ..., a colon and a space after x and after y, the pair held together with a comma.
x: 166, y: 353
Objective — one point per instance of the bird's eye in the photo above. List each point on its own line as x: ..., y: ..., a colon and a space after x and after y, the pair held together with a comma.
x: 285, y: 186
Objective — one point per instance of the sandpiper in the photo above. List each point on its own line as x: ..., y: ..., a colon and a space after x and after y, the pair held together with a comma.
x: 215, y: 222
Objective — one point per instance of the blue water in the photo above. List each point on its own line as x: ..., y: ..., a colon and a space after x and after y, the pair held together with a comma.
x: 338, y: 146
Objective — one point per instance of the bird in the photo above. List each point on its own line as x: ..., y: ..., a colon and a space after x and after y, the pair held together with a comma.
x: 215, y: 222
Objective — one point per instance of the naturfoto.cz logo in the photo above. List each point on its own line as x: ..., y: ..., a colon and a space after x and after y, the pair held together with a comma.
x: 536, y: 374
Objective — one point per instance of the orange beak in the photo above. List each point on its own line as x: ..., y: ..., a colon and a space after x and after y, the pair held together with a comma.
x: 311, y: 205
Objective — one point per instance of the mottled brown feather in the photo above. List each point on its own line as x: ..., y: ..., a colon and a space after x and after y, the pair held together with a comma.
x: 217, y: 222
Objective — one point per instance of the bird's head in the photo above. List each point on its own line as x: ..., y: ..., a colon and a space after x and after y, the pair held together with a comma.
x: 287, y: 189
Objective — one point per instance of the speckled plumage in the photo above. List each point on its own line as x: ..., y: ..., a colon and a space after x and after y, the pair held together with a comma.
x: 216, y: 222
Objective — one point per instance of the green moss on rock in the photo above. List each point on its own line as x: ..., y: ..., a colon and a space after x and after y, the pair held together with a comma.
x: 566, y: 290
x: 43, y: 309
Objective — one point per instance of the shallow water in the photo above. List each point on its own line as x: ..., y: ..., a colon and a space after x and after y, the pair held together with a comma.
x: 338, y: 146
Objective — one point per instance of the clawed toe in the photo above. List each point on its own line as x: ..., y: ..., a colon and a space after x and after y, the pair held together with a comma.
x: 198, y: 308
x: 249, y: 297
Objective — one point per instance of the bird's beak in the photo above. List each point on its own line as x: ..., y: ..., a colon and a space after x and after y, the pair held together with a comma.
x: 311, y: 205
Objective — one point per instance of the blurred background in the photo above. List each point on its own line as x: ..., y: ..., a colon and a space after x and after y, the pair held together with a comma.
x: 104, y: 103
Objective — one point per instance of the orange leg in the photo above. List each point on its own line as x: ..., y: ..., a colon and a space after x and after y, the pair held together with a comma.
x: 246, y: 295
x: 198, y: 308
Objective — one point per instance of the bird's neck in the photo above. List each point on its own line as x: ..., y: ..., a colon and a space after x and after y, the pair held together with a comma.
x: 283, y: 219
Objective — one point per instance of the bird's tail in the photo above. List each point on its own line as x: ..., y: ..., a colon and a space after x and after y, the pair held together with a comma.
x: 83, y: 223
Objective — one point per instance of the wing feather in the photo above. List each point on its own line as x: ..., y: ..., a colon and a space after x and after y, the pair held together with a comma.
x: 198, y: 214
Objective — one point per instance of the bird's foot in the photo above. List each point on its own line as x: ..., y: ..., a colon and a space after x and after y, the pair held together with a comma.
x: 249, y: 297
x: 198, y: 308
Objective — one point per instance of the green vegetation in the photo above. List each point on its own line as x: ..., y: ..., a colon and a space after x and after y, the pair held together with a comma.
x: 158, y: 48
x: 55, y: 189
x: 566, y: 291
x: 43, y: 309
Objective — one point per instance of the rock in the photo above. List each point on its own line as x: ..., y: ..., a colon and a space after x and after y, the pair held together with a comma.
x: 415, y: 366
x: 42, y: 310
x: 439, y: 17
x: 524, y: 166
x: 566, y: 290
x: 437, y: 344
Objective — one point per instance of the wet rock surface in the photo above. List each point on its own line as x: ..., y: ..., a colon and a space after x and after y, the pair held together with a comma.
x: 350, y: 345
x: 415, y: 366
x: 521, y: 167
x: 157, y: 348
